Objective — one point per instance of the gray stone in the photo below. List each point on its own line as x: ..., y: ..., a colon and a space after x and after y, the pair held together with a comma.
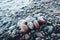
x: 27, y: 36
x: 37, y: 38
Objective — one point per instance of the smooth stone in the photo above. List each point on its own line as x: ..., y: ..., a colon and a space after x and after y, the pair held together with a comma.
x: 41, y: 21
x: 38, y: 34
x: 37, y: 15
x: 21, y: 22
x: 27, y: 36
x: 37, y: 38
x: 53, y: 35
x: 1, y: 31
x: 14, y: 31
x: 50, y: 29
x: 30, y: 19
x: 30, y: 25
x: 41, y: 18
x: 1, y: 24
x: 58, y: 35
x: 24, y: 28
x: 36, y: 24
x: 12, y: 27
x: 58, y: 39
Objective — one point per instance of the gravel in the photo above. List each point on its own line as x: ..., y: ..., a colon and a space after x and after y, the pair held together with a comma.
x: 12, y: 11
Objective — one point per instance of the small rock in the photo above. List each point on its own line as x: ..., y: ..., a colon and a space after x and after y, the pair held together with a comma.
x: 41, y: 20
x: 53, y: 35
x: 12, y: 27
x: 58, y: 35
x: 36, y: 24
x: 38, y: 34
x: 24, y: 28
x: 30, y: 19
x: 27, y: 36
x: 50, y: 29
x: 38, y: 38
x: 30, y: 25
x: 37, y: 15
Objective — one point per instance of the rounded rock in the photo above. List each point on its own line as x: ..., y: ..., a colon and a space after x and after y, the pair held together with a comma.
x: 36, y: 24
x: 38, y: 38
x: 30, y: 19
x: 41, y: 20
x: 23, y: 22
x: 24, y: 28
x: 53, y: 35
x: 30, y: 25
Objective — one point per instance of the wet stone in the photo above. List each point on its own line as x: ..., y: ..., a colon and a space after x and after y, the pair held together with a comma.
x: 50, y: 29
x: 38, y: 34
x: 53, y: 35
x: 58, y: 35
x: 27, y: 36
x: 38, y: 38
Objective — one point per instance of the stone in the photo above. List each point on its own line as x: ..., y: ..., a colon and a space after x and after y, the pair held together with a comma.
x: 50, y: 29
x: 36, y: 24
x: 58, y: 35
x: 41, y: 21
x: 30, y: 19
x: 12, y: 27
x: 24, y: 28
x: 37, y: 38
x: 38, y: 34
x: 27, y: 36
x: 37, y: 15
x: 30, y: 25
x: 53, y: 35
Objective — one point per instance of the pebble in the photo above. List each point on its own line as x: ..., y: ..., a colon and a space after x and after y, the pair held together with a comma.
x: 22, y: 22
x: 50, y: 28
x: 27, y: 36
x: 12, y: 27
x: 58, y: 35
x: 46, y: 0
x: 41, y: 20
x: 38, y: 34
x: 53, y: 35
x: 24, y: 28
x: 37, y: 15
x: 36, y: 24
x: 30, y: 19
x: 30, y: 25
x: 19, y: 22
x: 37, y: 38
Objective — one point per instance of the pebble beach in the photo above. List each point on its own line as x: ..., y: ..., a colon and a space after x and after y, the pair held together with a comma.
x: 29, y: 19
